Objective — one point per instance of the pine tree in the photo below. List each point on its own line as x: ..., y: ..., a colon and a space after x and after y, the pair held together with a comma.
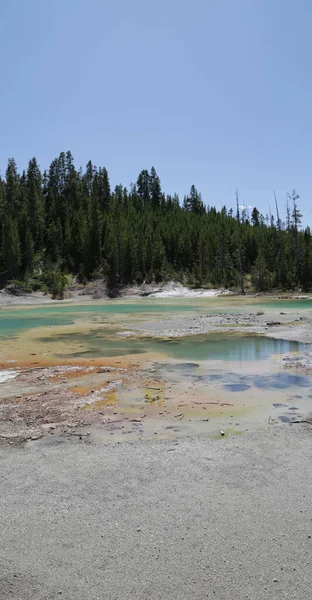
x: 69, y: 221
x: 143, y: 189
x: 11, y: 248
x: 35, y: 206
x: 255, y: 217
x: 193, y: 202
x: 154, y: 188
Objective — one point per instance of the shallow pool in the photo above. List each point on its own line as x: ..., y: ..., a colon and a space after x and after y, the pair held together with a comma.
x: 97, y: 343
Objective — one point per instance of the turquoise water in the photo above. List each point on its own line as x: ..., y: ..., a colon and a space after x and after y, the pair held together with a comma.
x: 286, y: 304
x: 230, y: 348
x: 12, y: 324
x: 97, y: 343
x: 13, y: 321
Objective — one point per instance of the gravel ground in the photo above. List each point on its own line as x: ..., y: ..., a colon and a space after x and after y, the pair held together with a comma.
x: 225, y: 520
x: 97, y: 290
x: 272, y: 323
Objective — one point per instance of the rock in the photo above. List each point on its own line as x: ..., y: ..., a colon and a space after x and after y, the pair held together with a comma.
x: 108, y: 369
x: 222, y: 432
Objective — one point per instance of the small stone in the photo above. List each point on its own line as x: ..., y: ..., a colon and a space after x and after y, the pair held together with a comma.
x: 275, y: 580
x: 138, y: 528
x: 222, y: 432
x: 36, y: 436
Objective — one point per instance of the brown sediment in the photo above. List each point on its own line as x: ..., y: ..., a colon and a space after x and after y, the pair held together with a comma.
x: 84, y: 363
x: 117, y: 398
x: 56, y: 393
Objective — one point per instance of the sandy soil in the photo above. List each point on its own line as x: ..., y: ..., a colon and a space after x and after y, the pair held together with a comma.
x: 160, y: 520
x: 183, y: 518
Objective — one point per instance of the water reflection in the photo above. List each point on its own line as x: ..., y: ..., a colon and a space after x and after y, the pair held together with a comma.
x: 229, y: 348
x: 242, y: 348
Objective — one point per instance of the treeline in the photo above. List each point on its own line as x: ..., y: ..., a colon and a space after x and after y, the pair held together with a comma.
x: 67, y: 221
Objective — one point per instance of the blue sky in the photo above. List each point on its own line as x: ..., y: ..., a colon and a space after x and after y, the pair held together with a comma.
x: 216, y: 93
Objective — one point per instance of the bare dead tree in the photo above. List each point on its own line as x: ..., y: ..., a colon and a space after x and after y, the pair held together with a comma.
x: 239, y: 247
x: 277, y: 213
x: 280, y: 241
x: 296, y: 221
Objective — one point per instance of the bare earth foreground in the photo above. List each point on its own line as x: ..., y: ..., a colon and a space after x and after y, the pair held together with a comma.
x: 184, y: 518
x: 226, y: 520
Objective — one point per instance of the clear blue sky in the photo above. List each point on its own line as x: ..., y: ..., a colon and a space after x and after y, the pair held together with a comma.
x: 212, y: 92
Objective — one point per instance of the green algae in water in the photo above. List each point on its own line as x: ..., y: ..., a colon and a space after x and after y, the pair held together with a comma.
x: 99, y: 343
x: 12, y: 324
x: 17, y: 320
x: 229, y: 347
x: 287, y: 304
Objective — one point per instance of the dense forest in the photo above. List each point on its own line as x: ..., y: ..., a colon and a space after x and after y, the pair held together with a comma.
x: 66, y: 223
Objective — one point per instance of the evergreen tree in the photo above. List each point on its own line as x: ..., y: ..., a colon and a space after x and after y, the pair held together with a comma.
x: 143, y: 189
x: 255, y: 217
x: 70, y: 221
x: 35, y: 205
x: 155, y: 188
